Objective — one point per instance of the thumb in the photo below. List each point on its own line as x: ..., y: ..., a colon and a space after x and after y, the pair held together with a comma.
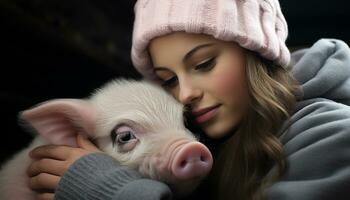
x: 85, y: 143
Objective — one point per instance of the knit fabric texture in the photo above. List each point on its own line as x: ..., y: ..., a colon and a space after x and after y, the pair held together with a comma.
x: 257, y: 25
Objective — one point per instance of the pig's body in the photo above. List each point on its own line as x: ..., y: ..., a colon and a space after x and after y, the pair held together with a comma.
x: 13, y: 178
x: 137, y: 123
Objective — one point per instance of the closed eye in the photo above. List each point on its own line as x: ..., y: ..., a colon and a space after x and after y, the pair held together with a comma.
x: 206, y: 65
x: 169, y: 83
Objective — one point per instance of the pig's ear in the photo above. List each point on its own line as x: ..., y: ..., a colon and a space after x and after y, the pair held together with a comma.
x: 59, y: 121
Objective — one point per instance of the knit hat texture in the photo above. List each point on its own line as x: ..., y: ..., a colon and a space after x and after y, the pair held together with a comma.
x: 257, y: 25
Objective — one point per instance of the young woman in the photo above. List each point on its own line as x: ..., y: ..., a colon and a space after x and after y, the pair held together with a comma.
x: 279, y: 129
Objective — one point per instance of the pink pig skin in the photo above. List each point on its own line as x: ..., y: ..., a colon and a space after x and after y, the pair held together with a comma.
x: 165, y: 150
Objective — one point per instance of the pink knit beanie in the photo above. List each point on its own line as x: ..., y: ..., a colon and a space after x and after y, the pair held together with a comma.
x: 257, y: 25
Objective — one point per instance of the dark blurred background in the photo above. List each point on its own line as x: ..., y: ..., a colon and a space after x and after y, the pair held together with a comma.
x: 66, y: 49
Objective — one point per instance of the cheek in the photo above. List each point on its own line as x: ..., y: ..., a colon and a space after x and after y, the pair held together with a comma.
x: 229, y: 82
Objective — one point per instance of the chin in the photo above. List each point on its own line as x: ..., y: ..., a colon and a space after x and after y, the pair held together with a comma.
x: 220, y: 130
x: 217, y: 132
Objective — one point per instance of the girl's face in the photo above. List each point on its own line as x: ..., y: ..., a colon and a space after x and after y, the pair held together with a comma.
x: 206, y: 74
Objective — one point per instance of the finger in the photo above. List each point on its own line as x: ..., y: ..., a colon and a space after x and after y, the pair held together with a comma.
x: 45, y: 165
x: 45, y: 196
x: 58, y: 152
x: 85, y: 143
x: 44, y: 181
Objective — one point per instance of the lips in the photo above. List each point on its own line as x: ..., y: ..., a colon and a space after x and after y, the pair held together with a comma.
x: 205, y: 114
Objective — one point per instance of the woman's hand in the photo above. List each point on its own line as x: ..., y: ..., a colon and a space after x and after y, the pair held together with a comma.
x: 51, y: 161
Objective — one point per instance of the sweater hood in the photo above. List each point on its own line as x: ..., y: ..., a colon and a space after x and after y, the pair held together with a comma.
x: 323, y: 71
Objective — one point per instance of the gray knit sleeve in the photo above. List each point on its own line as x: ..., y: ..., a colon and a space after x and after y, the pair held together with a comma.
x: 98, y: 176
x: 317, y: 149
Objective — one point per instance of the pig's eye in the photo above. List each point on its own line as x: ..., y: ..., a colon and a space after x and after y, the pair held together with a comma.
x: 124, y: 138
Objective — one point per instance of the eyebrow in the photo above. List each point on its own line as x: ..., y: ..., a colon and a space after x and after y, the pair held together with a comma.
x: 187, y: 56
x: 192, y: 51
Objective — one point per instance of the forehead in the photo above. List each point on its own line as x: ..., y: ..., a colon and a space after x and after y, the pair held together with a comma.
x: 176, y: 45
x: 181, y: 37
x: 139, y: 101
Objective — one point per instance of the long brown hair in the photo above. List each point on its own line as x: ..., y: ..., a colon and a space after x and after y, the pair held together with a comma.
x: 243, y: 161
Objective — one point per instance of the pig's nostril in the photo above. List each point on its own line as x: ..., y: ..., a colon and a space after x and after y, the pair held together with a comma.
x: 183, y: 164
x: 193, y: 159
x: 187, y: 162
x: 203, y: 158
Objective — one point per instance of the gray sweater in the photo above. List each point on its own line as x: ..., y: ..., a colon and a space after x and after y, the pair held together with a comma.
x: 316, y: 140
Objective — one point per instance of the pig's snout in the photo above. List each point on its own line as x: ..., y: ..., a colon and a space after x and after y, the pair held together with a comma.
x: 193, y: 160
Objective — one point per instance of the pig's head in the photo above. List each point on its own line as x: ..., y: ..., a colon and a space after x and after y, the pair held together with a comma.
x: 137, y: 123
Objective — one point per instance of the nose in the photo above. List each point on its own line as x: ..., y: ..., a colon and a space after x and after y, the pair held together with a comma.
x: 188, y: 92
x: 193, y: 160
